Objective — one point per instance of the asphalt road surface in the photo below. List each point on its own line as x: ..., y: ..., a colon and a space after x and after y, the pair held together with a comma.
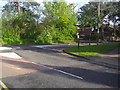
x: 42, y: 68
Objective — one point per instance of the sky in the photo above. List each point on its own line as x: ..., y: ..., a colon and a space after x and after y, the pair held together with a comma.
x: 79, y: 2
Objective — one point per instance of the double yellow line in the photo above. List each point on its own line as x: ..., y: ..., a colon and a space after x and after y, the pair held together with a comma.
x: 3, y: 85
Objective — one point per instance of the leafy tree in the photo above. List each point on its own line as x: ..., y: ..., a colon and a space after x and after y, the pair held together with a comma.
x: 58, y: 23
x: 88, y: 14
x: 114, y: 15
x: 22, y: 27
x: 32, y: 8
x: 60, y: 16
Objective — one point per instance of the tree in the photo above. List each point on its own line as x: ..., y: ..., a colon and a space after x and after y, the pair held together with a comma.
x: 18, y: 7
x: 87, y: 16
x: 94, y: 13
x: 114, y: 15
x: 60, y: 16
x: 57, y: 25
x: 20, y: 26
x: 13, y: 8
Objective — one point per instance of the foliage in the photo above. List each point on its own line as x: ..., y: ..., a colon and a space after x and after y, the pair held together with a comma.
x: 55, y: 22
x: 114, y: 11
x: 57, y: 25
x: 59, y: 16
x: 92, y: 49
x: 17, y: 28
x: 88, y: 15
x: 29, y: 7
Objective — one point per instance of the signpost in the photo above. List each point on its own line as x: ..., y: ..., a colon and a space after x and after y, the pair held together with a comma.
x: 78, y: 35
x: 78, y: 39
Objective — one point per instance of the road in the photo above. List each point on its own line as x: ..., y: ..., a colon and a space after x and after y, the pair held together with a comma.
x: 42, y: 68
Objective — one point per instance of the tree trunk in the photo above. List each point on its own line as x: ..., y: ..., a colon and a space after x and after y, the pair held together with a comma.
x: 18, y: 7
x: 98, y: 21
x: 114, y: 32
x: 98, y: 36
x: 103, y: 34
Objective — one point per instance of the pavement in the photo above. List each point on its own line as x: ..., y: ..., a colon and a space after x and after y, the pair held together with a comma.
x: 40, y: 67
x: 110, y: 59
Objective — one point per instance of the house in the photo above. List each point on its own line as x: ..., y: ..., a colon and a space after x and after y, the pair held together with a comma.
x: 105, y: 31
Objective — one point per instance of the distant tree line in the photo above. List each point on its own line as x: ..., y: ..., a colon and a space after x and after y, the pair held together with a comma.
x: 54, y: 22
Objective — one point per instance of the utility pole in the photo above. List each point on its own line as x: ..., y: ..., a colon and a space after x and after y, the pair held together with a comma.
x: 18, y: 7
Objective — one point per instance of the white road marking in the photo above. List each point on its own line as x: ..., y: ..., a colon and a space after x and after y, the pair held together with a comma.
x: 11, y: 55
x: 5, y: 48
x: 52, y: 49
x: 17, y: 47
x: 53, y: 45
x: 43, y: 46
x: 59, y: 71
x: 18, y: 68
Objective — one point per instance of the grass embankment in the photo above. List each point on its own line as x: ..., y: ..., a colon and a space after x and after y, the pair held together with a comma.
x: 92, y: 49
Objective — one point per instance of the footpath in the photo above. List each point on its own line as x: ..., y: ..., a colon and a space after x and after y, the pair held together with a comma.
x: 110, y: 59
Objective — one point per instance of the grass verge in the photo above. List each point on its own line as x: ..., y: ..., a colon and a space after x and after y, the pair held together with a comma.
x: 92, y: 49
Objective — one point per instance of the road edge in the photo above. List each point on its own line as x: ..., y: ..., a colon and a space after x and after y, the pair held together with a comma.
x: 3, y: 85
x: 93, y: 61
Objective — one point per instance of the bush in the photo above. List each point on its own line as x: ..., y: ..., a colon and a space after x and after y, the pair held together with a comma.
x: 10, y: 36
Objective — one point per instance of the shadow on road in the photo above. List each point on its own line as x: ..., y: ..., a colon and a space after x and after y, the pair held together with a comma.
x: 91, y: 76
x: 97, y: 77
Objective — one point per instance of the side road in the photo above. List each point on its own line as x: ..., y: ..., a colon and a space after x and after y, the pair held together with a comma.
x: 109, y: 59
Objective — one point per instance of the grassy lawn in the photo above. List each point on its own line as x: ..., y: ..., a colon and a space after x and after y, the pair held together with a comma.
x: 92, y: 49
